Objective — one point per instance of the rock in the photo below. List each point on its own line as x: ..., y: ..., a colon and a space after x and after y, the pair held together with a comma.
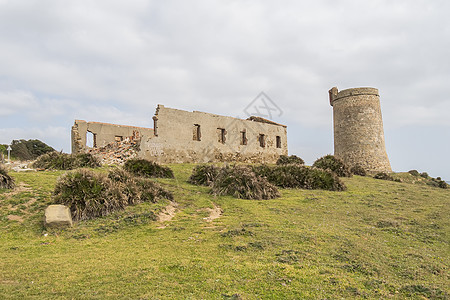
x: 57, y: 216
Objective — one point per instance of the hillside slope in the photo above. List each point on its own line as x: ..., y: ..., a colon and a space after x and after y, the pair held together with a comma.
x: 377, y: 239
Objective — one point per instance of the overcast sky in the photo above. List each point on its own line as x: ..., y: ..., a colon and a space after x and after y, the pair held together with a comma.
x: 114, y: 61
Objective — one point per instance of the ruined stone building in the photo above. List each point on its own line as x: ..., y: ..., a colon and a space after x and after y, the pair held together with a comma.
x: 180, y: 136
x: 358, y: 128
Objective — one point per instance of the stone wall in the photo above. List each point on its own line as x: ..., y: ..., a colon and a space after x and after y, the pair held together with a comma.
x: 358, y: 128
x: 182, y: 136
x: 104, y: 134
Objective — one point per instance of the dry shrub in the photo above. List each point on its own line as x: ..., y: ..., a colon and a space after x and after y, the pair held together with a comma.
x: 203, y: 175
x: 6, y: 181
x: 138, y: 190
x: 334, y: 164
x: 297, y: 176
x: 241, y: 182
x: 90, y: 194
x: 146, y: 168
x: 287, y: 160
x: 63, y: 161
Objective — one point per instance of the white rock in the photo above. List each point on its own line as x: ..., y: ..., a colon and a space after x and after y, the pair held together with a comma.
x: 58, y: 216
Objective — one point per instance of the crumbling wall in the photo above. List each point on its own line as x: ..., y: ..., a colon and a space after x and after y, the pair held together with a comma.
x: 103, y: 134
x: 182, y: 136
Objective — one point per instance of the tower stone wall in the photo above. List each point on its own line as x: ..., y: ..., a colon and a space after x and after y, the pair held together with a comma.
x: 358, y: 128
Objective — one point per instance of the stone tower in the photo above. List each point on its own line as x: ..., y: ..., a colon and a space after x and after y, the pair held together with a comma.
x: 358, y: 128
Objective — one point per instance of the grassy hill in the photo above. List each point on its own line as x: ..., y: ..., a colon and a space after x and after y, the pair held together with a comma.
x: 378, y: 239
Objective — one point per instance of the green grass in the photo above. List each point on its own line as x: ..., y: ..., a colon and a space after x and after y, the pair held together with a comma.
x: 378, y: 239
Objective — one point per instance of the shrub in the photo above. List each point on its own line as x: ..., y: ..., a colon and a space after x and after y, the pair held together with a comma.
x: 424, y: 175
x: 414, y: 173
x: 296, y: 176
x: 63, y: 161
x: 89, y: 194
x: 6, y: 181
x: 334, y: 164
x: 146, y: 168
x: 86, y: 160
x: 293, y: 159
x: 383, y: 176
x: 137, y: 190
x: 241, y: 182
x: 203, y: 174
x: 438, y: 182
x: 358, y: 170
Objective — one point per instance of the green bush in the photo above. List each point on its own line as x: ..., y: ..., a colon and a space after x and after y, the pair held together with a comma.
x: 358, y: 170
x: 63, y: 161
x: 86, y: 160
x: 438, y: 182
x: 136, y: 189
x: 297, y: 176
x: 383, y: 176
x: 241, y: 182
x: 424, y: 175
x: 90, y: 194
x: 203, y: 175
x: 287, y: 160
x: 146, y: 168
x: 6, y: 181
x: 414, y: 173
x: 29, y: 150
x: 330, y: 162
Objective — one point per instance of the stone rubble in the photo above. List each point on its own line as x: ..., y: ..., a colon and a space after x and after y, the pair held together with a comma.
x: 116, y: 153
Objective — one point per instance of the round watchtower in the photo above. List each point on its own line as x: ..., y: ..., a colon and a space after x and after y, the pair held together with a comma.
x: 358, y: 128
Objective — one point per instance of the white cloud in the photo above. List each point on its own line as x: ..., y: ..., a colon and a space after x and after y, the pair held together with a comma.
x: 13, y: 102
x: 113, y: 61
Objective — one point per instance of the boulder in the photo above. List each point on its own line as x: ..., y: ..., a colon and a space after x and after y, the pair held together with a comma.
x: 57, y: 216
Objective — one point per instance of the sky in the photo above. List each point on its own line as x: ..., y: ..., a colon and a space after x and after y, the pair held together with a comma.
x: 114, y: 61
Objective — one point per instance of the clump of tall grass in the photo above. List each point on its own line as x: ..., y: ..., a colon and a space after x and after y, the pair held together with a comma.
x: 203, y: 174
x: 91, y: 194
x: 146, y: 168
x: 334, y: 164
x: 297, y: 176
x: 6, y: 181
x: 241, y: 182
x: 63, y: 161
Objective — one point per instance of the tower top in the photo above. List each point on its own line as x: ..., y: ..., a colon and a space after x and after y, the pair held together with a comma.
x: 334, y: 93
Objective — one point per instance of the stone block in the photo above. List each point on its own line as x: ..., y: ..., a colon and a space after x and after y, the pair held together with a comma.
x: 58, y: 216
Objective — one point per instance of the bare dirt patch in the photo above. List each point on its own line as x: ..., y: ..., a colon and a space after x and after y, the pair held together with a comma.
x: 214, y: 213
x: 21, y: 187
x: 167, y: 214
x: 15, y: 218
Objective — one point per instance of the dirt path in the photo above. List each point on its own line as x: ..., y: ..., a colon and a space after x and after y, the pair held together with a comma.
x: 15, y: 218
x: 21, y: 187
x: 214, y: 213
x: 167, y: 214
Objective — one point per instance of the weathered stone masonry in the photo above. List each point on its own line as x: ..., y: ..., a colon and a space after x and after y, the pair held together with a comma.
x: 103, y: 134
x: 358, y: 128
x: 180, y: 136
